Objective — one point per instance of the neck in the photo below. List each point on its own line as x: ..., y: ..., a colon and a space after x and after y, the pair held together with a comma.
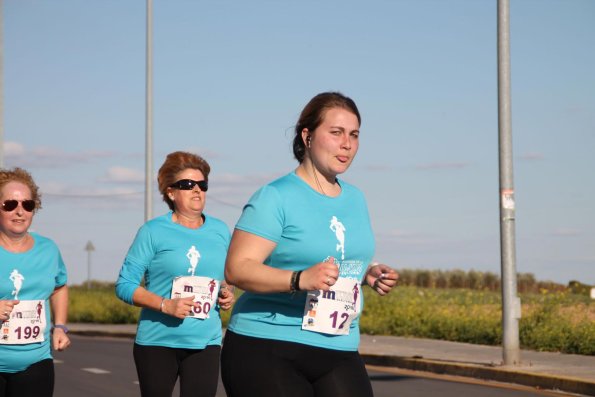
x: 16, y: 243
x: 323, y: 184
x: 192, y: 222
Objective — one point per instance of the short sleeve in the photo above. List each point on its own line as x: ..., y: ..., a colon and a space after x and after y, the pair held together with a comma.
x: 61, y: 276
x: 264, y: 214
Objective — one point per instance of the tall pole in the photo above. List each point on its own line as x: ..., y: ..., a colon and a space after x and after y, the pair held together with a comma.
x: 511, y: 305
x: 149, y: 117
x: 89, y: 248
x: 1, y: 87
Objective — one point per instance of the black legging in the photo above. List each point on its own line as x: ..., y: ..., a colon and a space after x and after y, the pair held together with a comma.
x: 35, y: 381
x: 158, y: 369
x: 265, y: 367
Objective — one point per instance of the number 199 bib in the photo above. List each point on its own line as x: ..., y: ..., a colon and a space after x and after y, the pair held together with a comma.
x: 332, y: 312
x: 26, y: 324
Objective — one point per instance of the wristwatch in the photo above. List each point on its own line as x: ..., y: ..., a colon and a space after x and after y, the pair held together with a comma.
x: 62, y: 327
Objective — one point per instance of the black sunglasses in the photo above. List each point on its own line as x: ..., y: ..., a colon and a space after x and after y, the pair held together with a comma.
x: 11, y: 205
x: 188, y: 184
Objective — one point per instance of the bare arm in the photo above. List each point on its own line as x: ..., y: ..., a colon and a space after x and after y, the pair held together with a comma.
x: 59, y: 306
x: 179, y: 307
x: 245, y: 267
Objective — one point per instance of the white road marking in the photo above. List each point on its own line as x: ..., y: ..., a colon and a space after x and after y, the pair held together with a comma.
x: 96, y: 371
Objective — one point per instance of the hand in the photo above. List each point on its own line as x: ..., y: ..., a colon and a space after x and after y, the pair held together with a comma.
x: 321, y: 276
x: 226, y: 296
x: 179, y: 307
x: 60, y: 340
x: 6, y: 307
x: 381, y: 278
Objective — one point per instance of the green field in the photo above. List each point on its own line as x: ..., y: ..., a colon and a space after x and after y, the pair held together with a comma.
x: 551, y: 321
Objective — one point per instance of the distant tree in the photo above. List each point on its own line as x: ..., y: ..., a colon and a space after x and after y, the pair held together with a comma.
x: 526, y: 282
x: 576, y: 287
x: 456, y: 279
x: 423, y: 279
x: 441, y: 280
x: 491, y: 281
x: 474, y: 280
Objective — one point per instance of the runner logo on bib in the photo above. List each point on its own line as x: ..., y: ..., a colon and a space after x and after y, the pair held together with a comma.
x: 204, y: 289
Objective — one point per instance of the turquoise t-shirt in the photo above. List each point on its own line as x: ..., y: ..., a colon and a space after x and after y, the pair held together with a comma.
x: 160, y: 253
x: 31, y: 275
x: 308, y: 228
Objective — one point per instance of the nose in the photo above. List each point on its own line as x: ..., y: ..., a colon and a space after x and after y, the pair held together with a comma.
x: 196, y: 188
x: 19, y: 210
x: 346, y: 143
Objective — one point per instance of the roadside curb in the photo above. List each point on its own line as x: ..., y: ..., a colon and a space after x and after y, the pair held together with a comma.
x: 114, y: 334
x: 464, y: 367
x: 486, y: 372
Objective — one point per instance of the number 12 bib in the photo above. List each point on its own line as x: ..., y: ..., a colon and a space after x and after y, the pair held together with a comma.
x: 332, y: 312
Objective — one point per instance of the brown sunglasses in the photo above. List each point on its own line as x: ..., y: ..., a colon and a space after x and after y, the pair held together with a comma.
x: 11, y: 205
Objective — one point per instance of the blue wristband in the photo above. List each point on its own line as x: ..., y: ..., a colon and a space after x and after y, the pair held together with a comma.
x: 62, y: 327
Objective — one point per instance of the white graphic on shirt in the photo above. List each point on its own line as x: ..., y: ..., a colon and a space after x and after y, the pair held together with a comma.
x: 337, y: 227
x: 17, y: 280
x: 193, y: 256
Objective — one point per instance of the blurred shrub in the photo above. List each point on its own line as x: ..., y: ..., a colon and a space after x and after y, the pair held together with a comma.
x: 97, y: 303
x: 559, y: 321
x: 477, y: 280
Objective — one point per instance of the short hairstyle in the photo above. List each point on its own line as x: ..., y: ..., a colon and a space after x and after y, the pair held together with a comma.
x: 17, y: 174
x: 175, y: 163
x: 313, y: 114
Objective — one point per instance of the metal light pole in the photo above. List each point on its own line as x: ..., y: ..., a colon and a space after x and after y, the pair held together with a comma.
x: 1, y: 87
x: 149, y: 117
x: 89, y: 248
x: 511, y: 304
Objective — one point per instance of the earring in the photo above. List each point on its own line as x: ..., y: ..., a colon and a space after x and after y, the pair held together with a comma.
x: 308, y: 139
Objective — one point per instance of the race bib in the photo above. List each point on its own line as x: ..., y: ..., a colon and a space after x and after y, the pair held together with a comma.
x: 204, y: 289
x: 332, y: 312
x: 26, y: 324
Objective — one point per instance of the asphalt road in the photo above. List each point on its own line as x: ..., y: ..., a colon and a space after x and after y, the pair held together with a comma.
x: 99, y: 367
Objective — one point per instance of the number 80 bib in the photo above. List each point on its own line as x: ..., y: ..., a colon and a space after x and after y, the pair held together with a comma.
x: 204, y: 289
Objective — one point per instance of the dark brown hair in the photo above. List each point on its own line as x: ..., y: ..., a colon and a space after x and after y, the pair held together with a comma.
x: 20, y: 175
x: 175, y: 163
x: 313, y: 114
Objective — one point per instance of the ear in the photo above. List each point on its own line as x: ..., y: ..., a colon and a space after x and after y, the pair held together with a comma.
x: 306, y: 137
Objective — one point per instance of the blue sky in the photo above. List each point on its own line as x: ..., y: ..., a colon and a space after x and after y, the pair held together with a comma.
x: 230, y: 79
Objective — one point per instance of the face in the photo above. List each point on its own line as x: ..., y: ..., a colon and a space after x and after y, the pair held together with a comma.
x: 17, y: 221
x: 334, y: 144
x: 188, y: 202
